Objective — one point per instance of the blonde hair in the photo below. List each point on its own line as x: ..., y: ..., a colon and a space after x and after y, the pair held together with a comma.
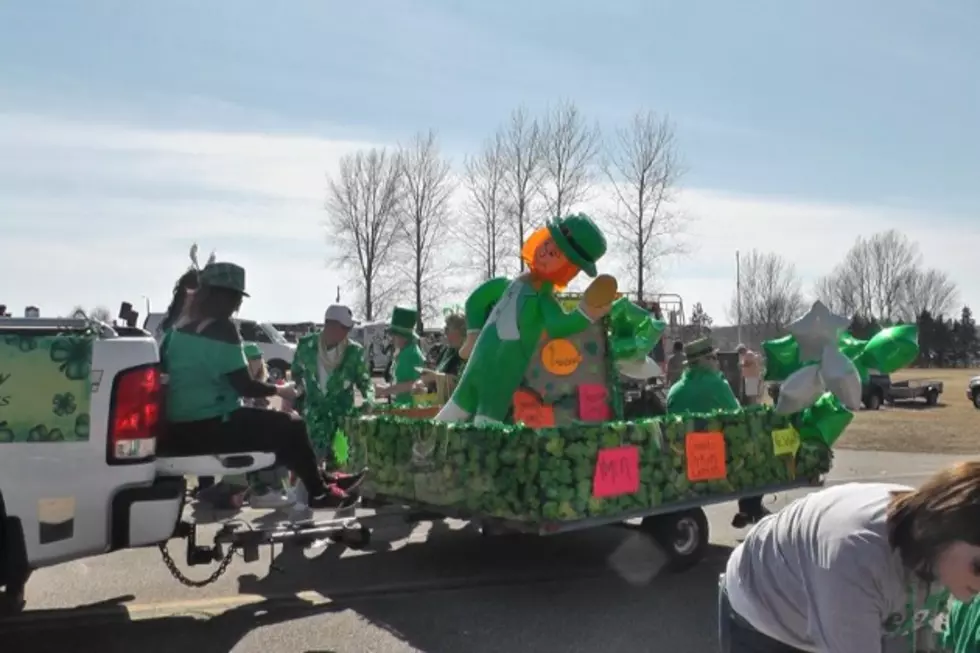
x: 263, y: 374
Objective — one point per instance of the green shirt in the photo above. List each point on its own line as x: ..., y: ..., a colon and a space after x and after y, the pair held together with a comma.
x: 197, y: 365
x: 407, y: 368
x: 962, y: 634
x: 701, y: 390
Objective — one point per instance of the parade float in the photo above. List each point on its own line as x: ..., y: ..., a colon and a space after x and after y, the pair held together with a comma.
x: 533, y: 438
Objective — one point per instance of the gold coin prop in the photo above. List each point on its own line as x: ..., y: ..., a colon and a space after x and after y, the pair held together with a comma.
x: 560, y: 357
x: 601, y: 291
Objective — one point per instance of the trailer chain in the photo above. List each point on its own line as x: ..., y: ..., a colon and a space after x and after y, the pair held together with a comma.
x: 175, y: 571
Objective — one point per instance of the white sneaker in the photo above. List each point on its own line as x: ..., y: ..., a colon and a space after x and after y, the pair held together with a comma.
x: 271, y: 499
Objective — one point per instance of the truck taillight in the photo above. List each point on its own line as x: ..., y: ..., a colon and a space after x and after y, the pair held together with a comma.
x: 135, y: 415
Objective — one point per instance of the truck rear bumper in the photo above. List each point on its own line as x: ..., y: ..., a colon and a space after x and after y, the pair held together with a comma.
x: 147, y: 515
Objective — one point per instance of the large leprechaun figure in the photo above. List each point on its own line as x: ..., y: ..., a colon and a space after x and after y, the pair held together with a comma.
x: 407, y: 360
x: 501, y: 341
x: 329, y: 366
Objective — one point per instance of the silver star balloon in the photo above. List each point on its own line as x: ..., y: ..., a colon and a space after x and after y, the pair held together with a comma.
x: 818, y: 327
x: 817, y: 334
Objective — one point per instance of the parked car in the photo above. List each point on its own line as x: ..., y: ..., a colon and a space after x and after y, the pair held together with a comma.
x: 973, y: 391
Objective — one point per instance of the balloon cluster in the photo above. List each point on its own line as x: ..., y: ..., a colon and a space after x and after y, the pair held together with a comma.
x: 632, y: 330
x: 822, y: 368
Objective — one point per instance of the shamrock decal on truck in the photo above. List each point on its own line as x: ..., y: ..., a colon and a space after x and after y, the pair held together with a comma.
x: 40, y: 433
x: 74, y: 355
x: 24, y: 343
x: 63, y: 404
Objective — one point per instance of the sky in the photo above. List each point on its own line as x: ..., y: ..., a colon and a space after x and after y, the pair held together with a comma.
x: 129, y: 130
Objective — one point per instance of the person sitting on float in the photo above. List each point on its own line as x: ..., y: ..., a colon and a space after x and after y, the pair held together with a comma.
x: 857, y: 568
x: 183, y: 292
x: 407, y: 359
x: 208, y: 377
x: 702, y: 388
x: 443, y: 378
x: 503, y: 340
x: 329, y: 367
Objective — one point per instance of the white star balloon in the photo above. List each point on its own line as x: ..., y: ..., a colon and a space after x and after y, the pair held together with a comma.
x: 818, y: 327
x: 841, y: 376
x: 800, y: 390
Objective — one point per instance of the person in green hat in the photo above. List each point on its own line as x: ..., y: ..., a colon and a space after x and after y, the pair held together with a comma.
x: 208, y: 377
x: 702, y: 388
x: 330, y: 367
x: 407, y: 360
x: 500, y: 342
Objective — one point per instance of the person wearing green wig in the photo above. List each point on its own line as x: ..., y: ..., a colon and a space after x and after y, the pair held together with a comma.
x: 407, y: 361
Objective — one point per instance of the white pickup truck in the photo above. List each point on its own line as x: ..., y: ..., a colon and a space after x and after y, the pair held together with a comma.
x: 80, y: 474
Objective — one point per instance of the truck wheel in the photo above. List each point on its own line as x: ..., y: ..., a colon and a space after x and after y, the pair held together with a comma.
x: 932, y: 398
x: 277, y: 370
x: 12, y: 598
x: 976, y: 398
x: 682, y: 535
x: 873, y: 402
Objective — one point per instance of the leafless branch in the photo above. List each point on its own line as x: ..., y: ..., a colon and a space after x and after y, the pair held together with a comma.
x: 523, y: 170
x: 363, y: 212
x: 429, y: 186
x: 769, y: 297
x: 643, y: 170
x: 569, y: 151
x: 483, y: 229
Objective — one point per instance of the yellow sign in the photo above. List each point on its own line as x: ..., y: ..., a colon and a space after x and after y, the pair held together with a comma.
x: 427, y: 399
x: 560, y: 357
x: 785, y: 442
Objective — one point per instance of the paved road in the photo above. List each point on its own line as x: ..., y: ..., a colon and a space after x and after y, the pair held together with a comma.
x: 429, y: 587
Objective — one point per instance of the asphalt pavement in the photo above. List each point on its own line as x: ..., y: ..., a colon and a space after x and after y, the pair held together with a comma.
x: 437, y: 587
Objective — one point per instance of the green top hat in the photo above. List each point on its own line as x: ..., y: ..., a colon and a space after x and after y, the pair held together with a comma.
x: 224, y: 275
x: 580, y: 240
x: 699, y: 349
x: 252, y: 351
x: 403, y: 321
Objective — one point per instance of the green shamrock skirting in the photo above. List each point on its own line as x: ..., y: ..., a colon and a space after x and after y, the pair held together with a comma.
x: 521, y: 474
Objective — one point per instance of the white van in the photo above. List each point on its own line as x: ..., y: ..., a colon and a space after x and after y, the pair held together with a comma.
x: 277, y: 351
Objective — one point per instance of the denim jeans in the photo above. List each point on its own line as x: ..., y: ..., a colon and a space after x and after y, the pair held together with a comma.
x: 736, y: 635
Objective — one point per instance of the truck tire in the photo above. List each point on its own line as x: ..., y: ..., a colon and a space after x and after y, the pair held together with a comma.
x: 277, y: 370
x: 976, y: 398
x: 874, y: 400
x: 682, y: 535
x: 932, y: 397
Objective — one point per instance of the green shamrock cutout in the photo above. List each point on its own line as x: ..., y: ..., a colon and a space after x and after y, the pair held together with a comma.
x: 63, y: 404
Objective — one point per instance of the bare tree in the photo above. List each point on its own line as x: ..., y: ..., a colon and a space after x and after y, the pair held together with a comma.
x: 483, y: 229
x: 522, y: 163
x: 642, y: 168
x: 363, y: 207
x: 928, y: 290
x: 769, y: 295
x: 100, y: 313
x: 570, y: 148
x: 881, y: 277
x: 428, y: 188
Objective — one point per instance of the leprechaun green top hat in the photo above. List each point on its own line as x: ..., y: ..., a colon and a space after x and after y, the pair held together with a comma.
x: 224, y: 275
x: 403, y: 321
x: 580, y: 240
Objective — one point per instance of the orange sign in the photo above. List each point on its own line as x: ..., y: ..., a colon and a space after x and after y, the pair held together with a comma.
x: 705, y: 456
x: 529, y: 409
x: 560, y: 357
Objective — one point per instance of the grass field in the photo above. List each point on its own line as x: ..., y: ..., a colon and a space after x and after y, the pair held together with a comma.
x: 953, y: 426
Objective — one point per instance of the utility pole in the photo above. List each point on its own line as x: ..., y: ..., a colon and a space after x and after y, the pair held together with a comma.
x: 338, y: 295
x: 738, y: 295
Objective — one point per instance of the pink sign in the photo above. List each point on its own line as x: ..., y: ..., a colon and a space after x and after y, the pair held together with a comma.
x: 593, y: 403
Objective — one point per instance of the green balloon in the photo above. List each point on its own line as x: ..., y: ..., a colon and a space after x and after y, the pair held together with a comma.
x: 892, y: 349
x: 851, y: 346
x: 633, y: 330
x: 782, y: 357
x: 825, y: 420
